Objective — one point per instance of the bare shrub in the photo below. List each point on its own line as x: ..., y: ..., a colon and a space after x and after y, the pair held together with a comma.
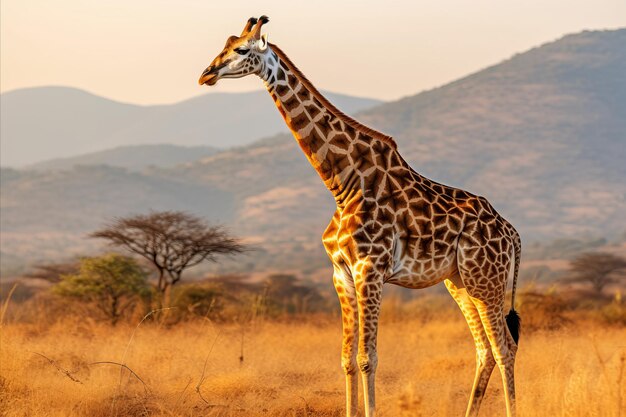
x: 199, y: 300
x: 286, y: 294
x: 543, y: 310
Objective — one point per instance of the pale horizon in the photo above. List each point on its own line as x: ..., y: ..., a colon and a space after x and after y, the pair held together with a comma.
x: 153, y: 52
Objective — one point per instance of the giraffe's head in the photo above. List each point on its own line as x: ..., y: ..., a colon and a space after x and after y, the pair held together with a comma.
x: 243, y: 55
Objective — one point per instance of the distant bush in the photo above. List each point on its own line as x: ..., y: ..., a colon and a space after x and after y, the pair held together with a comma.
x: 239, y: 300
x: 198, y: 300
x: 53, y: 271
x: 543, y: 309
x: 614, y: 312
x: 286, y: 294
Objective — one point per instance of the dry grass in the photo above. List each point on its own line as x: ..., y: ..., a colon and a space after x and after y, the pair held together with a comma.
x: 292, y: 369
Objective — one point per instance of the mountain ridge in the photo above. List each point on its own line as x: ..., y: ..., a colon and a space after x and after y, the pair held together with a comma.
x: 43, y: 123
x: 131, y: 157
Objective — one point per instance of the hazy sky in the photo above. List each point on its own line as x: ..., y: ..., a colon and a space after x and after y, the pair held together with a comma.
x: 153, y: 51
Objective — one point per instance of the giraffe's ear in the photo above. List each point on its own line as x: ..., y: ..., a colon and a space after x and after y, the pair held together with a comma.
x: 262, y: 45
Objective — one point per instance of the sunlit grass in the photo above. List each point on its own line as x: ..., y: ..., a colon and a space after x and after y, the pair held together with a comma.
x: 292, y: 369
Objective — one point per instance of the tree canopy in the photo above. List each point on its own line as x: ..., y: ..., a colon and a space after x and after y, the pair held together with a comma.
x: 112, y: 282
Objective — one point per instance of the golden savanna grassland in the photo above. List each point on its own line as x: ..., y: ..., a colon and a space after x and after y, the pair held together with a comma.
x: 291, y: 367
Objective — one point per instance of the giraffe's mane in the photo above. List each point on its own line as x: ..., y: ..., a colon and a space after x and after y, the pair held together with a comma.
x: 331, y: 107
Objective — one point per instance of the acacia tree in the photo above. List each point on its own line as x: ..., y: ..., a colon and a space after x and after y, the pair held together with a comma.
x: 598, y: 269
x: 172, y: 241
x: 112, y: 282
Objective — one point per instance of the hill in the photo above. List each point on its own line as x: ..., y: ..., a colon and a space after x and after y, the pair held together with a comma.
x: 541, y: 135
x: 45, y: 123
x: 134, y: 157
x: 47, y: 215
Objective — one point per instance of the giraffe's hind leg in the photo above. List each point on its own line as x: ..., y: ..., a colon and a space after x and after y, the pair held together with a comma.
x: 484, y: 266
x: 484, y: 358
x: 503, y: 347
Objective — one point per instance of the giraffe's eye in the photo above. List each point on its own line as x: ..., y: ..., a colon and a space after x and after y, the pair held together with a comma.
x: 242, y: 51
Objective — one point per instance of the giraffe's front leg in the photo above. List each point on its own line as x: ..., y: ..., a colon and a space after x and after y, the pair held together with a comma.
x: 344, y: 285
x: 369, y: 285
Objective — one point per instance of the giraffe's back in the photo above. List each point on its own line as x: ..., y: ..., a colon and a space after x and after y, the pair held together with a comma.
x: 414, y: 225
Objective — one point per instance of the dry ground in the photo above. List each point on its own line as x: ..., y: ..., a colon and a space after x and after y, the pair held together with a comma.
x: 292, y: 369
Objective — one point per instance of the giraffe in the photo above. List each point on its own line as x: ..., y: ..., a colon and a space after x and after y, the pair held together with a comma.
x: 391, y: 225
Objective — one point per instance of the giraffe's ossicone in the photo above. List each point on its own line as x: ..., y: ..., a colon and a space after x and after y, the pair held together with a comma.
x: 391, y: 225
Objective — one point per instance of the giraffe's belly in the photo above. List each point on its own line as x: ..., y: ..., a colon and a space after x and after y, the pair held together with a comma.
x: 421, y: 269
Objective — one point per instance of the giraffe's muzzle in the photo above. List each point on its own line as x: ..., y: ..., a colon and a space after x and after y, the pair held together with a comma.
x: 209, y: 76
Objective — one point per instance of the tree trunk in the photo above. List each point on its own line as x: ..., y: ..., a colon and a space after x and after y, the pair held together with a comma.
x: 167, y: 295
x: 114, y: 312
x: 162, y: 283
x: 598, y: 285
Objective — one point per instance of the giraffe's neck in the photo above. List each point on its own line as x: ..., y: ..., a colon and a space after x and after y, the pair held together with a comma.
x: 330, y: 140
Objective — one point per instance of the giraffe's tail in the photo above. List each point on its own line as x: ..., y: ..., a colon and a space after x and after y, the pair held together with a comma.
x: 514, y: 323
x: 513, y: 319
